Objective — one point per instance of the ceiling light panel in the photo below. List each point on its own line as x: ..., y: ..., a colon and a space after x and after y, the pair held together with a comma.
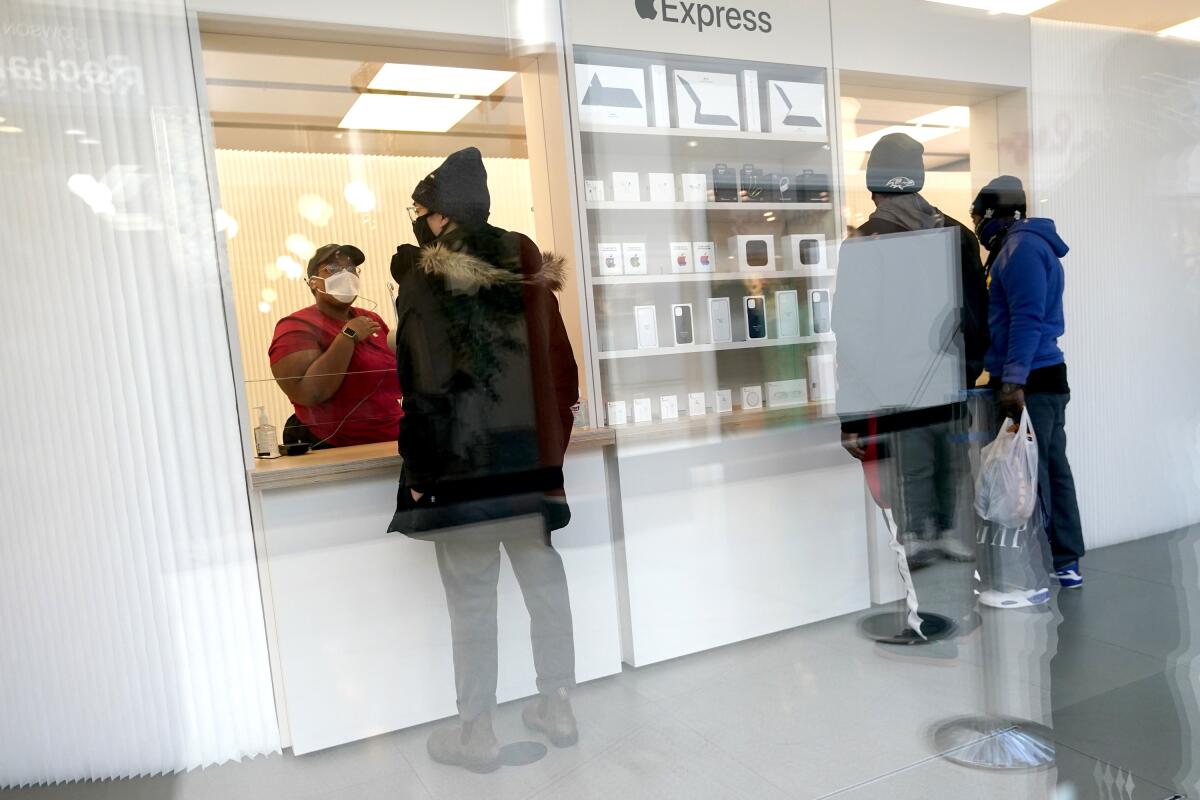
x: 922, y: 134
x: 439, y: 80
x: 1024, y: 7
x: 1184, y: 30
x: 399, y: 112
x: 948, y: 117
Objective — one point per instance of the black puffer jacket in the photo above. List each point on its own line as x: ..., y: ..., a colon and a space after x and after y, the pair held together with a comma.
x: 489, y: 381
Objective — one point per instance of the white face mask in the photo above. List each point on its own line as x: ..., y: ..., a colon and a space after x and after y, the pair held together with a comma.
x: 342, y: 287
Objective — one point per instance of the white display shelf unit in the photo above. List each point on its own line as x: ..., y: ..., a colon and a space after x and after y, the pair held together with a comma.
x: 686, y: 349
x: 710, y: 277
x: 629, y: 205
x: 705, y: 133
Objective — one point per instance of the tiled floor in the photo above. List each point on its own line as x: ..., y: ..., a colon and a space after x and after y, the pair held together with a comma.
x: 820, y: 712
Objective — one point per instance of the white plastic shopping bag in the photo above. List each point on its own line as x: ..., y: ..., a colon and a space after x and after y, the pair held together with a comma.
x: 1006, y: 489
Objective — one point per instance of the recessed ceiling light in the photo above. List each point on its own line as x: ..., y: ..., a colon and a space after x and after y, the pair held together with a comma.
x: 399, y: 112
x: 74, y: 132
x: 948, y: 117
x: 1000, y: 6
x: 922, y: 133
x: 439, y: 80
x: 1184, y: 30
x: 10, y: 129
x: 89, y: 141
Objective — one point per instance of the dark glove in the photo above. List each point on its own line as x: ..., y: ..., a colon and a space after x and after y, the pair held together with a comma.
x: 1012, y: 401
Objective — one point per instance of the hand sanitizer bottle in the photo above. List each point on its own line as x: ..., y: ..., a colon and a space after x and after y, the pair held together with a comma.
x: 266, y: 443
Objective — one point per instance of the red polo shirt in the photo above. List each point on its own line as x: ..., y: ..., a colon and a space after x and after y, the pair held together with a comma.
x: 367, y: 404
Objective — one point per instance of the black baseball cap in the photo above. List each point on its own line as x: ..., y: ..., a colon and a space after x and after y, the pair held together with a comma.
x: 327, y: 252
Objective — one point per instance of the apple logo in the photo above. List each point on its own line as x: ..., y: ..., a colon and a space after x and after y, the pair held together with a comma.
x: 610, y: 262
x: 704, y: 259
x: 635, y: 261
x: 646, y: 9
x: 681, y: 260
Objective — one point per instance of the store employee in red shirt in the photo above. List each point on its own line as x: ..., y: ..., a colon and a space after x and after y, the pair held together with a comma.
x: 332, y: 360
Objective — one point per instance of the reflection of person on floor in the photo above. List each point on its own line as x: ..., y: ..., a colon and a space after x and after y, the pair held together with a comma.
x: 926, y: 445
x: 490, y: 383
x: 1027, y: 367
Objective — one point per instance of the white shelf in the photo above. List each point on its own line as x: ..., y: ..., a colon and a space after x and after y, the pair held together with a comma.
x: 615, y: 205
x: 707, y: 277
x: 680, y: 350
x: 706, y: 133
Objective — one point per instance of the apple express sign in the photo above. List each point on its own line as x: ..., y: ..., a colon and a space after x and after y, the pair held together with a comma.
x: 704, y: 16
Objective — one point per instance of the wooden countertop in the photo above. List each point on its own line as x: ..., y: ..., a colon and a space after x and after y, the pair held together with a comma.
x: 342, y: 463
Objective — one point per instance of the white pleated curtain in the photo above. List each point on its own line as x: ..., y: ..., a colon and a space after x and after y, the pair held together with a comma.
x: 131, y: 624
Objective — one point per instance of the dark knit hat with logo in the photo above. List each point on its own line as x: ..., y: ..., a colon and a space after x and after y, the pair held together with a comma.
x: 1002, y: 198
x: 896, y: 165
x: 457, y: 189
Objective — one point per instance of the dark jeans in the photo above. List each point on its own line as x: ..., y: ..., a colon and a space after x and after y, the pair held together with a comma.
x: 1056, y: 484
x: 469, y: 562
x: 929, y: 466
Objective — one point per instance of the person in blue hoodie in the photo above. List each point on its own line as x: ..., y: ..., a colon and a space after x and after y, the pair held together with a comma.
x: 1027, y: 367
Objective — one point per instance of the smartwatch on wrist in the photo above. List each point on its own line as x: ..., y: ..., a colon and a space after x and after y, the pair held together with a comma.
x: 348, y: 332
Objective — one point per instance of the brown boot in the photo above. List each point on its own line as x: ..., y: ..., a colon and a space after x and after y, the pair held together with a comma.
x: 551, y: 715
x: 470, y: 745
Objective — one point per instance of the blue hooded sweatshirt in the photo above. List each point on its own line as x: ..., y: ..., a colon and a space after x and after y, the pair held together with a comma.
x: 1025, y: 308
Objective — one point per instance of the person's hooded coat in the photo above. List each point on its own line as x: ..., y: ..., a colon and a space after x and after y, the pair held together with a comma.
x: 489, y: 380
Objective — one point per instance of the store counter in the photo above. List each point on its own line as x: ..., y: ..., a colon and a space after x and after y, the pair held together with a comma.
x: 357, y: 622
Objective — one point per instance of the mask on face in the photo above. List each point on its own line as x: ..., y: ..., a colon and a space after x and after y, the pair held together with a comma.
x: 422, y: 231
x: 991, y: 231
x: 342, y: 286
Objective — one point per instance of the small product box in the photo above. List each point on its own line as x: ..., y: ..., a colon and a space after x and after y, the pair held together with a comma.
x: 610, y: 258
x: 704, y: 256
x: 753, y: 185
x: 662, y: 187
x: 646, y: 319
x: 681, y: 257
x: 725, y: 187
x: 634, y: 258
x: 659, y: 97
x: 695, y: 187
x: 617, y: 413
x: 821, y: 313
x: 681, y: 317
x: 627, y: 187
x: 756, y: 316
x: 813, y: 187
x: 787, y: 313
x: 593, y: 191
x: 804, y: 252
x: 696, y: 404
x: 754, y: 253
x: 781, y: 394
x: 724, y: 401
x: 668, y: 407
x: 720, y: 320
x: 642, y: 410
x: 753, y: 110
x: 822, y: 378
x: 752, y: 399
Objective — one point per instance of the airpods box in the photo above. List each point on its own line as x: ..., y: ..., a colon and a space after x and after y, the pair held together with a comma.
x: 626, y: 187
x: 804, y: 252
x: 668, y: 406
x: 617, y: 413
x: 662, y: 187
x: 609, y: 261
x: 695, y: 187
x: 704, y: 256
x: 696, y: 404
x: 781, y: 394
x: 642, y: 410
x: 634, y: 258
x: 724, y: 401
x: 593, y: 191
x: 753, y: 253
x: 681, y: 257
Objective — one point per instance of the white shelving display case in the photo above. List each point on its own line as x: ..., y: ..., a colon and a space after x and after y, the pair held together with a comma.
x: 715, y: 121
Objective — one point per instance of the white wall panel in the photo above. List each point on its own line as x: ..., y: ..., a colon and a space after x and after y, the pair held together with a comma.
x: 131, y: 628
x: 1116, y: 163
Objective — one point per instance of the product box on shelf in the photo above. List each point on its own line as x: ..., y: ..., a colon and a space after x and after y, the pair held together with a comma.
x: 704, y: 256
x: 752, y: 399
x: 753, y: 253
x: 753, y: 110
x: 662, y: 187
x: 796, y: 107
x: 822, y: 378
x: 593, y: 191
x: 804, y: 252
x: 610, y: 258
x: 707, y: 100
x: 642, y: 410
x: 785, y: 189
x: 819, y: 310
x: 753, y: 184
x: 659, y: 98
x: 723, y: 401
x: 611, y: 95
x: 725, y: 187
x: 755, y: 308
x: 668, y: 407
x: 787, y: 313
x: 681, y: 257
x: 617, y: 413
x: 681, y: 317
x: 781, y: 394
x: 634, y: 258
x: 813, y: 187
x: 720, y: 321
x: 627, y: 187
x: 696, y: 404
x: 646, y: 320
x: 695, y: 187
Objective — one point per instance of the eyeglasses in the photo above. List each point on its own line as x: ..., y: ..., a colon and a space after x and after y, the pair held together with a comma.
x: 413, y: 214
x: 334, y: 268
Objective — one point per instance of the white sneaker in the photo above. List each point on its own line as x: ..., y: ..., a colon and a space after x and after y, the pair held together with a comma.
x: 1020, y: 598
x: 919, y: 553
